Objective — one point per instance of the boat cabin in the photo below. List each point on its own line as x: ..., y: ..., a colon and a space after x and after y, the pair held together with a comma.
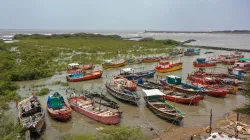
x: 73, y: 66
x: 151, y: 93
x: 164, y: 64
x: 201, y: 60
x: 107, y: 61
x: 126, y: 71
x: 55, y: 101
x: 243, y: 59
x: 172, y: 79
x: 76, y: 75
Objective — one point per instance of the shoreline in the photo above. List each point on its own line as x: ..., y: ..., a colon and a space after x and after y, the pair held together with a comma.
x: 216, y: 48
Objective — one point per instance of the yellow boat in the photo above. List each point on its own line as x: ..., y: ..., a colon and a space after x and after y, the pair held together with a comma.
x: 164, y: 66
x: 109, y: 64
x: 233, y: 90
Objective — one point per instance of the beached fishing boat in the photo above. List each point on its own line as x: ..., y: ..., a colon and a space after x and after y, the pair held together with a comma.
x: 201, y: 62
x: 156, y: 103
x: 122, y: 94
x: 94, y: 111
x: 129, y: 74
x: 151, y: 59
x: 31, y: 114
x: 165, y: 66
x: 134, y: 61
x: 191, y: 52
x: 202, y: 73
x: 129, y: 85
x: 77, y: 77
x: 149, y: 84
x: 75, y: 67
x: 175, y: 83
x: 182, y: 98
x: 229, y: 60
x: 110, y: 64
x: 57, y: 107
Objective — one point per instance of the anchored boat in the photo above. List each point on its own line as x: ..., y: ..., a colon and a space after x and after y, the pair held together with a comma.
x: 77, y: 77
x: 110, y: 64
x: 129, y: 74
x: 165, y: 66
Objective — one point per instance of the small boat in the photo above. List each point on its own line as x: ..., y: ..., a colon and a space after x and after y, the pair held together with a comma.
x: 183, y: 98
x: 75, y: 67
x: 149, y: 84
x: 202, y: 73
x: 31, y: 114
x: 110, y: 64
x: 57, y: 107
x: 129, y: 85
x: 134, y: 61
x: 201, y: 62
x: 129, y: 74
x: 165, y: 66
x: 151, y: 59
x: 155, y: 101
x: 228, y: 61
x: 122, y: 94
x: 191, y: 52
x: 88, y: 108
x: 77, y: 77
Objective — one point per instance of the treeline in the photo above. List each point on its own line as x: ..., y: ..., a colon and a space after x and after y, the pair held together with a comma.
x: 165, y: 42
x: 63, y: 36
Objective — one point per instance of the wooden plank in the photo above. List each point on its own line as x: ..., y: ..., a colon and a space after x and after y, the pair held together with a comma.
x: 27, y: 134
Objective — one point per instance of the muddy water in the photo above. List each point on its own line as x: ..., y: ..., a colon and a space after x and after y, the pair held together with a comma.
x: 133, y: 116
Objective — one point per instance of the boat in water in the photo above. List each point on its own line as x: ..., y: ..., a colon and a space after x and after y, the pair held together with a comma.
x: 202, y: 62
x: 129, y: 74
x: 146, y: 84
x: 134, y: 61
x: 75, y: 67
x: 125, y: 83
x: 151, y: 59
x: 31, y: 114
x: 57, y: 107
x: 191, y: 52
x: 165, y: 66
x: 110, y: 64
x: 229, y: 60
x: 122, y: 94
x: 77, y: 77
x: 155, y: 101
x: 94, y: 111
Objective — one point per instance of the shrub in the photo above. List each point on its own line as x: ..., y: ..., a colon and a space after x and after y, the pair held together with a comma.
x: 43, y: 91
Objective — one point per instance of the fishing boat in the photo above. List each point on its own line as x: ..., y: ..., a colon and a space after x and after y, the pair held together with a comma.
x: 183, y: 98
x: 165, y: 66
x: 149, y: 84
x: 151, y: 59
x: 110, y: 64
x: 134, y: 61
x: 155, y: 102
x: 202, y: 62
x: 191, y: 52
x: 31, y: 114
x: 129, y: 74
x: 202, y: 73
x: 88, y: 108
x: 57, y: 107
x: 122, y: 94
x: 175, y: 83
x: 77, y: 77
x: 75, y: 67
x: 129, y: 85
x: 229, y: 60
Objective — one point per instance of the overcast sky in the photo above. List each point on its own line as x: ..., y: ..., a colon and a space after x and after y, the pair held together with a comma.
x: 185, y: 15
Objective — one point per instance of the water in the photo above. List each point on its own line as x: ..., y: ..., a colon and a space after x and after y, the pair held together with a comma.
x: 241, y: 41
x: 135, y: 116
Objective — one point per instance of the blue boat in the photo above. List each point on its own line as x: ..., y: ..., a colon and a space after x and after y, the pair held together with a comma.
x: 190, y: 52
x: 129, y: 74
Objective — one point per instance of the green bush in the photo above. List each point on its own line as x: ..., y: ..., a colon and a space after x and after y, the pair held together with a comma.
x: 43, y: 91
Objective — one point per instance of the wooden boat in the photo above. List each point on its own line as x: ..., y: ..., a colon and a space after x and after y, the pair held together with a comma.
x: 75, y: 67
x: 191, y: 52
x: 228, y: 61
x: 160, y: 107
x: 106, y: 116
x: 175, y: 83
x: 134, y: 61
x: 121, y: 81
x: 151, y: 59
x: 57, y: 107
x: 110, y: 64
x: 183, y: 98
x: 122, y: 94
x: 201, y: 62
x: 77, y: 77
x: 129, y: 74
x: 165, y: 66
x: 202, y: 73
x: 149, y: 84
x: 31, y: 114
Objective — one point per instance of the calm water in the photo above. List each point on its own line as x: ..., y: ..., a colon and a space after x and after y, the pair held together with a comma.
x: 135, y: 116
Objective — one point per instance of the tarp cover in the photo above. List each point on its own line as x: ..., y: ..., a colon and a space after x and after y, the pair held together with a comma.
x: 153, y: 92
x: 127, y: 69
x: 73, y: 64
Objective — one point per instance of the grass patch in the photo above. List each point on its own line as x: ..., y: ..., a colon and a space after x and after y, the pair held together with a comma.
x: 60, y: 83
x: 43, y: 91
x: 244, y: 109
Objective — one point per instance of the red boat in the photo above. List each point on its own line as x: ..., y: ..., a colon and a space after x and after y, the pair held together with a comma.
x: 129, y: 85
x: 75, y: 67
x: 76, y: 77
x: 182, y: 98
x: 229, y: 60
x: 57, y: 107
x: 201, y: 73
x: 88, y: 108
x: 201, y: 62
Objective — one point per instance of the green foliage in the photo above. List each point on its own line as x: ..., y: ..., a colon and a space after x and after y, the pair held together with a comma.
x: 43, y: 91
x: 246, y: 93
x: 111, y: 133
x: 60, y: 83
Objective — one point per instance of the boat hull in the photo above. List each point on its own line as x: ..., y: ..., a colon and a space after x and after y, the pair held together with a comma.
x: 62, y: 116
x: 174, y: 68
x: 88, y: 76
x: 189, y: 101
x: 116, y: 65
x: 137, y: 76
x: 210, y: 64
x: 191, y: 53
x: 228, y: 62
x: 150, y: 60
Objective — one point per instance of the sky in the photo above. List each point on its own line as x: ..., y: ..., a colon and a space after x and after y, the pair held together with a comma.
x: 172, y: 15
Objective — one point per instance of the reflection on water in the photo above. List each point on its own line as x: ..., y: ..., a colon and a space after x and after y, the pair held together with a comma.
x: 134, y: 116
